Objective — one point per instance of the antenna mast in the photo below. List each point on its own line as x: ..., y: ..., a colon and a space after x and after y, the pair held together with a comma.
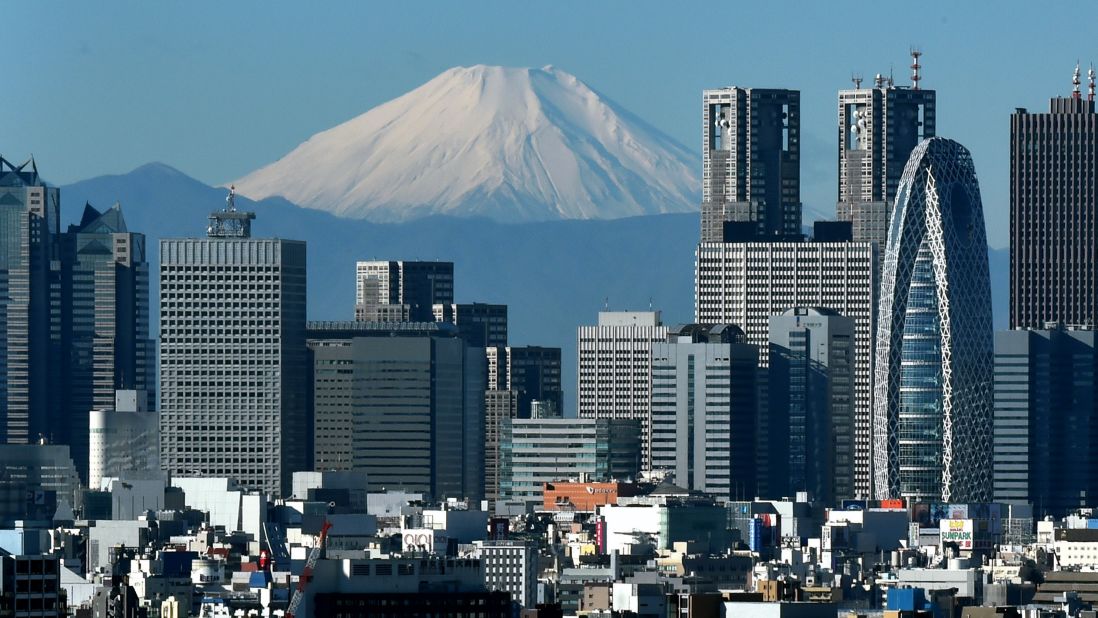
x: 229, y: 222
x: 1090, y: 85
x: 1075, y: 82
x: 915, y: 66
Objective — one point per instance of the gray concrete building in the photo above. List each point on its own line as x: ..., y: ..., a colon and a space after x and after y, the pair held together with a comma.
x: 124, y: 437
x: 751, y: 158
x: 879, y: 126
x: 539, y: 451
x: 615, y: 366
x: 811, y: 403
x: 233, y: 366
x: 704, y: 407
x: 403, y: 403
x: 1045, y: 424
x: 511, y: 567
x: 1053, y: 213
x: 401, y: 290
x: 747, y: 283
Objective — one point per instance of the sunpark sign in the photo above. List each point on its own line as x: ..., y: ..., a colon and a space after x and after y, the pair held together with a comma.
x: 957, y: 531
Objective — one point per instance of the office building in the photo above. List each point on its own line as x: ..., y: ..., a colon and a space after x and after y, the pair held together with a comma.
x: 499, y: 406
x: 104, y: 320
x: 233, y: 365
x: 511, y: 567
x: 401, y: 291
x: 745, y: 283
x: 481, y: 324
x: 29, y: 214
x: 704, y: 386
x: 1046, y: 422
x: 811, y: 404
x: 403, y: 403
x: 615, y: 366
x: 932, y: 376
x: 1053, y: 214
x: 751, y: 160
x: 538, y: 451
x: 122, y: 438
x: 878, y: 128
x: 33, y: 479
x: 531, y: 371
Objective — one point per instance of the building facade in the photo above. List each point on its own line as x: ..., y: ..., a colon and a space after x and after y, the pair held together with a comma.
x: 233, y: 365
x: 539, y: 451
x: 704, y: 408
x: 932, y: 384
x: 29, y: 287
x: 751, y: 160
x: 747, y: 283
x: 403, y: 403
x: 511, y: 567
x: 481, y: 324
x: 122, y: 438
x: 811, y: 381
x: 401, y: 291
x: 615, y: 366
x: 878, y: 129
x: 104, y: 320
x: 1045, y: 419
x: 1053, y: 213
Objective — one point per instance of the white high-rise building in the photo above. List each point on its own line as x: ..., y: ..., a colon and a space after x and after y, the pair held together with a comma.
x: 615, y: 365
x: 747, y: 283
x: 125, y: 439
x: 233, y: 361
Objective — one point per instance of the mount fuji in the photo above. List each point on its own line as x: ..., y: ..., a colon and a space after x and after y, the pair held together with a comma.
x: 508, y: 144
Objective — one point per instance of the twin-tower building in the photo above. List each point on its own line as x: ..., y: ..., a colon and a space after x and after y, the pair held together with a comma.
x: 906, y: 263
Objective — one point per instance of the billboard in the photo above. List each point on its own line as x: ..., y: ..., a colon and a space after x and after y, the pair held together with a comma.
x: 957, y: 531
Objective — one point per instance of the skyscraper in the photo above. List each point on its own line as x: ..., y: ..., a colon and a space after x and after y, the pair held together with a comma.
x: 1053, y: 214
x: 932, y: 377
x: 403, y: 403
x: 1046, y: 422
x: 29, y: 213
x: 745, y: 283
x: 751, y: 160
x: 233, y: 362
x: 104, y: 320
x: 878, y: 129
x: 812, y: 400
x: 481, y: 324
x: 401, y: 291
x: 615, y: 365
x: 704, y: 406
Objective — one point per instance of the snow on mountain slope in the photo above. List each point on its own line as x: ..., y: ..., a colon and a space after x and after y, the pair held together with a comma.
x: 511, y: 144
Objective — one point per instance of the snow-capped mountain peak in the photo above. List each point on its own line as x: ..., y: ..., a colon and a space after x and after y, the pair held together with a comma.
x: 512, y: 144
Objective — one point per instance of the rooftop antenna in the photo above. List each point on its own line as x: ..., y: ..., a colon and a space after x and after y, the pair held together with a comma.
x: 229, y: 223
x: 891, y: 82
x: 878, y: 81
x: 857, y: 79
x: 1090, y: 85
x: 915, y: 66
x: 606, y: 303
x: 1075, y: 82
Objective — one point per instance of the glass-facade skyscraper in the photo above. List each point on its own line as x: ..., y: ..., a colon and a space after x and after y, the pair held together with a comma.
x: 932, y: 377
x: 29, y: 213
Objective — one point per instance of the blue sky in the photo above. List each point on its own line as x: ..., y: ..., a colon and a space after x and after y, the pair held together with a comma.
x: 218, y: 89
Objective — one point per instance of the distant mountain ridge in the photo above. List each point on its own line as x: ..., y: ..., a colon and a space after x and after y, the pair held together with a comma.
x: 508, y: 144
x: 554, y: 275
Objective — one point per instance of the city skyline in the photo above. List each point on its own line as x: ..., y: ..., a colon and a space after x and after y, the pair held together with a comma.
x: 216, y: 142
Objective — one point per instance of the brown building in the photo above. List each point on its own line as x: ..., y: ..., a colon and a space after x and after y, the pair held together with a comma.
x: 585, y: 496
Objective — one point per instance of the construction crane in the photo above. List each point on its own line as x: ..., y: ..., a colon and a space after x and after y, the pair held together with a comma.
x: 307, y: 574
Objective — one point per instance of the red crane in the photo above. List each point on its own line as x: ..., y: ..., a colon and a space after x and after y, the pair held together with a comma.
x: 307, y: 574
